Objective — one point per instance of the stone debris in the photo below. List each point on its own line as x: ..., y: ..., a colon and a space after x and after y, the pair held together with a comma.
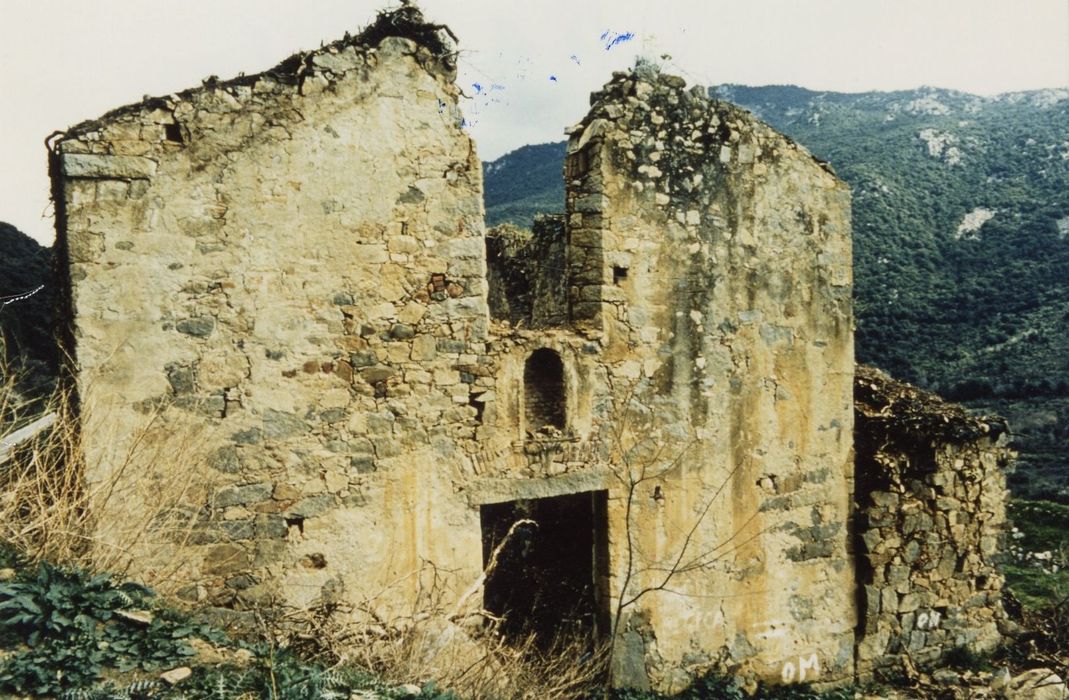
x: 176, y: 675
x: 1036, y: 684
x: 141, y: 617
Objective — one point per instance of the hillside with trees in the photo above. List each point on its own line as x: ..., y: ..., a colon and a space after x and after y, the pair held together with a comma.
x: 26, y: 300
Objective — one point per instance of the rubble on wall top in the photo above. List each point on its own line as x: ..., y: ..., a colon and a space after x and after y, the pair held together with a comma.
x: 656, y: 115
x: 408, y: 22
x: 405, y: 22
x: 910, y: 411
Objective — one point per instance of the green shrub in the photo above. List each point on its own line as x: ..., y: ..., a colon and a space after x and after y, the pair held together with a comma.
x: 64, y: 627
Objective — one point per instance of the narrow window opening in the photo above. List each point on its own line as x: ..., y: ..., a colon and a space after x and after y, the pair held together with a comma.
x: 173, y: 133
x: 551, y: 576
x: 297, y: 522
x: 543, y: 378
x: 619, y: 274
x: 476, y: 401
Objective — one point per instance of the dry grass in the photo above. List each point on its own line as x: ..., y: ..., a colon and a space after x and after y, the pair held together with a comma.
x: 116, y: 522
x: 444, y: 638
x: 471, y: 659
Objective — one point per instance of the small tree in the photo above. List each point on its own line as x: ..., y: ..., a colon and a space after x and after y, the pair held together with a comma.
x: 641, y: 456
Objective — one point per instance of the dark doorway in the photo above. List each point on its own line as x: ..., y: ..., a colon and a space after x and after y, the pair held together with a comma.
x: 543, y: 381
x: 551, y: 577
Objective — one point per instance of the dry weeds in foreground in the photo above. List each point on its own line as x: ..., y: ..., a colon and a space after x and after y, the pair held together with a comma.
x: 445, y: 639
x: 119, y: 523
x: 472, y: 660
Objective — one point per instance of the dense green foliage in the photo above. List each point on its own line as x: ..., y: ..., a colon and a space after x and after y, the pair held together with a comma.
x: 978, y: 315
x: 64, y: 627
x: 80, y: 637
x: 1041, y: 435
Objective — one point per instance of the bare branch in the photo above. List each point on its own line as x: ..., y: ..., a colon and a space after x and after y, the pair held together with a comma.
x: 491, y: 565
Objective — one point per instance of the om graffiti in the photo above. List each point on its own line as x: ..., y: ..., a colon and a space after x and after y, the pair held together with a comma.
x: 808, y: 667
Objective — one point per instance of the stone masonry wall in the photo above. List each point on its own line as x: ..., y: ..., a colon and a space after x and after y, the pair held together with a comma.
x: 293, y: 263
x: 291, y: 269
x: 931, y: 511
x: 526, y: 273
x: 711, y: 258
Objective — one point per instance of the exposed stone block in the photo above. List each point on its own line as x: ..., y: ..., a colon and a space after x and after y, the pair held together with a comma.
x: 243, y: 495
x: 311, y: 506
x: 199, y: 327
x: 84, y: 165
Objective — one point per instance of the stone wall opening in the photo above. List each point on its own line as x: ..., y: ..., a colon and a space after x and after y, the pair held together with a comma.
x: 543, y: 380
x: 551, y: 574
x: 173, y: 133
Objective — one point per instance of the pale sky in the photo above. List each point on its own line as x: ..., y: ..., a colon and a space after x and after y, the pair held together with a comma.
x: 64, y: 61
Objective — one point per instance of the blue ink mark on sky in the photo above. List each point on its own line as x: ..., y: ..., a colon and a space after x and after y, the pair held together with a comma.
x: 605, y: 35
x: 617, y: 39
x: 441, y: 106
x: 478, y: 88
x: 553, y: 78
x: 576, y: 59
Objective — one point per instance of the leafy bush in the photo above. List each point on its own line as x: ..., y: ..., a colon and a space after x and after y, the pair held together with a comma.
x: 66, y: 630
x: 65, y: 626
x: 965, y: 659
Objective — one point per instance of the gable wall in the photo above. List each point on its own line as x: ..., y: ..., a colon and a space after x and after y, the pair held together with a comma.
x: 734, y: 323
x: 297, y: 279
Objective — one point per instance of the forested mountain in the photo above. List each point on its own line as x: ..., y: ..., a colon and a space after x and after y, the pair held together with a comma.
x: 523, y: 183
x: 26, y: 323
x: 961, y: 239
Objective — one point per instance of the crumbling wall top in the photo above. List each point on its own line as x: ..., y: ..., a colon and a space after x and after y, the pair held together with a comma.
x: 435, y: 51
x: 671, y: 128
x: 907, y: 411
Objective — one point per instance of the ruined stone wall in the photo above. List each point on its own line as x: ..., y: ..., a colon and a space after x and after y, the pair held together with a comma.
x: 526, y: 273
x: 931, y: 511
x: 711, y: 257
x: 294, y: 264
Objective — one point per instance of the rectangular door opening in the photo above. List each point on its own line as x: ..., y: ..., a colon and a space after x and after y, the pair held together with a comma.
x: 551, y: 577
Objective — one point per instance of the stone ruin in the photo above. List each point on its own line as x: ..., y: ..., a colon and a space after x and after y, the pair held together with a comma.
x: 931, y: 510
x: 295, y: 266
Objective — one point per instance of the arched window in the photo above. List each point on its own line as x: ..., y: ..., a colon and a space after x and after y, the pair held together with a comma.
x: 543, y: 380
